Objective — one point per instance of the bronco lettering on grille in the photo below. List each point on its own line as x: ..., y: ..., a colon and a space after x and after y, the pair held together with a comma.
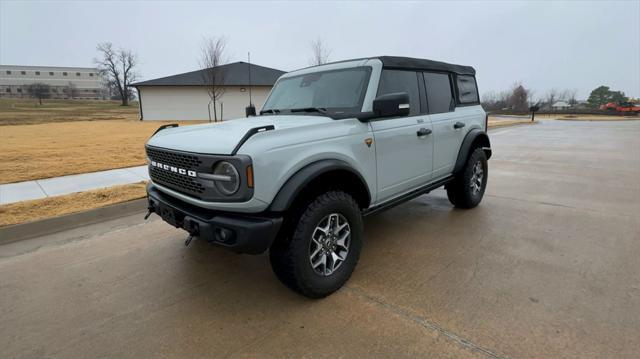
x: 174, y: 169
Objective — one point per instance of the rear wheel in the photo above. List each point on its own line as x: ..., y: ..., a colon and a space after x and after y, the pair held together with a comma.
x: 467, y: 189
x: 323, y: 249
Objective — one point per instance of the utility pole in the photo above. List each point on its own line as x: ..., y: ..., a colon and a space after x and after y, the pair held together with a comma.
x: 250, y: 110
x: 249, y: 59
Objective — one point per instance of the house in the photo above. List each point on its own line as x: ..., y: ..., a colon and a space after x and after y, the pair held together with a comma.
x: 185, y: 96
x: 560, y: 105
x: 64, y: 82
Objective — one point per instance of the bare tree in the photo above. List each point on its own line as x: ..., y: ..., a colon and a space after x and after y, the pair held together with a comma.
x: 320, y: 53
x: 519, y: 97
x: 570, y: 96
x: 489, y: 100
x: 118, y: 67
x: 71, y: 90
x: 211, y: 57
x: 550, y: 97
x: 492, y: 100
x: 39, y: 91
x: 530, y: 97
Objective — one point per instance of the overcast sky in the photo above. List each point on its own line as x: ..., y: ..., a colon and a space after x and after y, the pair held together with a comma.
x: 566, y: 45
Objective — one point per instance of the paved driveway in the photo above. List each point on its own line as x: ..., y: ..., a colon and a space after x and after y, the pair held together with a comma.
x: 547, y: 266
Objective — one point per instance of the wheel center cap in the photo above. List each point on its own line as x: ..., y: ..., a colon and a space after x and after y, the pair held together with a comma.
x: 329, y: 243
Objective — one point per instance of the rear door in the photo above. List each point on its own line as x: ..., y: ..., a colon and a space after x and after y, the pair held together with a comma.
x: 448, y: 129
x: 403, y: 156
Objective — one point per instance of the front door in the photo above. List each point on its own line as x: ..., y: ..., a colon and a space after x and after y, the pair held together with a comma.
x: 404, y: 145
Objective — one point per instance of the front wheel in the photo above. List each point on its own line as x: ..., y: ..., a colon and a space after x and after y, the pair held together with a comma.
x: 467, y: 189
x: 324, y: 248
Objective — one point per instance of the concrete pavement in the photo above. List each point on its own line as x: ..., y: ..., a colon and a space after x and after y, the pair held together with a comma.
x: 27, y: 190
x: 546, y: 266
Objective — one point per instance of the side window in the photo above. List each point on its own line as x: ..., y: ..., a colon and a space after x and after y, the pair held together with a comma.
x: 392, y: 81
x: 467, y: 89
x: 439, y: 96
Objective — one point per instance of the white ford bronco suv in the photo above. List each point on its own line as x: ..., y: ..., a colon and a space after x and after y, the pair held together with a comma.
x: 333, y: 143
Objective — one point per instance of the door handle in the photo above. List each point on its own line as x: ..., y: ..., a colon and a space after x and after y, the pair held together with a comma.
x: 458, y: 125
x: 423, y: 132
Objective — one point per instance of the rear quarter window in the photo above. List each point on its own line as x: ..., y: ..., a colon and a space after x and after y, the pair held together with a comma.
x: 467, y: 89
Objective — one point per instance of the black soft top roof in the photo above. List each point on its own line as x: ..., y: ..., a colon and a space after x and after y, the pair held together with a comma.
x: 411, y: 63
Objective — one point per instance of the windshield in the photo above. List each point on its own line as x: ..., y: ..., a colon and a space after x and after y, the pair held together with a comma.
x: 334, y: 91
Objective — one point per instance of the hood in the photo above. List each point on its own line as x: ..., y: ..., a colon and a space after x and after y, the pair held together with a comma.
x: 222, y: 138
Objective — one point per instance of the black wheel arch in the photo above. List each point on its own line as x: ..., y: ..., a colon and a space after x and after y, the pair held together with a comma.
x: 322, y: 175
x: 475, y: 138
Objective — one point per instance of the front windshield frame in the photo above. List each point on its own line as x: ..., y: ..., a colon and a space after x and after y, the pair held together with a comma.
x: 333, y: 112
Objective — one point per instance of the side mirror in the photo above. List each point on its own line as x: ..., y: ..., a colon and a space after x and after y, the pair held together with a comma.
x: 390, y: 105
x: 250, y: 111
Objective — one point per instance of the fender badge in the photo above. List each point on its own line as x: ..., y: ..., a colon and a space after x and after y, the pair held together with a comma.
x: 368, y: 141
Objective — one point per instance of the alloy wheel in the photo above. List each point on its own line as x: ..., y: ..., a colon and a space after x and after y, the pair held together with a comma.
x: 329, y: 245
x: 477, y: 175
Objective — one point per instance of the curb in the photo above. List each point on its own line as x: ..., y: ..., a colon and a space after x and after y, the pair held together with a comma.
x: 19, y: 232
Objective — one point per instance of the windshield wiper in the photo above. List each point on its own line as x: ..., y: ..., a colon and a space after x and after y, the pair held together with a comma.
x: 321, y: 110
x: 271, y: 110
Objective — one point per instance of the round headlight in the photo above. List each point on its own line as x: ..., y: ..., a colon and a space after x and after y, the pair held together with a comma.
x: 229, y: 182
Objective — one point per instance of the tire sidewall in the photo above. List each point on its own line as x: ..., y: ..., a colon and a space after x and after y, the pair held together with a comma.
x: 477, y: 155
x: 301, y: 241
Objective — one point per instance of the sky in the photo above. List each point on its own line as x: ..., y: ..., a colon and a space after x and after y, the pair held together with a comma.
x: 543, y: 44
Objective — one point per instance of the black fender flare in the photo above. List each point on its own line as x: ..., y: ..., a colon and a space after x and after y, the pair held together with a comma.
x: 299, y: 181
x: 474, y: 138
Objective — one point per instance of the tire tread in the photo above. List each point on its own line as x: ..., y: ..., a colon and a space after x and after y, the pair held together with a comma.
x: 283, y: 253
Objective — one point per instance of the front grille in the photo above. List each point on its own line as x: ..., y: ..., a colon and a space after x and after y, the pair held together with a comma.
x: 175, y: 173
x: 178, y: 182
x: 174, y: 159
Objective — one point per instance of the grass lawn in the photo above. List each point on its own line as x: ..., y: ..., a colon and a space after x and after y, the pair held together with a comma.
x: 494, y: 122
x: 27, y: 111
x: 64, y: 137
x: 28, y: 211
x: 588, y: 117
x: 64, y: 148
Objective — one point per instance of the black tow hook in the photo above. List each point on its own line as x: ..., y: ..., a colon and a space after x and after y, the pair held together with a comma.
x: 193, y: 230
x: 150, y: 210
x: 188, y: 240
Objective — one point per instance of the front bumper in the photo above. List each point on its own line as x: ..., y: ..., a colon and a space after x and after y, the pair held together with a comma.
x: 242, y: 233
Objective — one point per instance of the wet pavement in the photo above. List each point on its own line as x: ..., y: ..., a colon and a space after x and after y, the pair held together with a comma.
x: 547, y: 266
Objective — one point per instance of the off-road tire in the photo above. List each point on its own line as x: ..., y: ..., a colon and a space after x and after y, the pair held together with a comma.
x: 459, y: 191
x: 289, y: 255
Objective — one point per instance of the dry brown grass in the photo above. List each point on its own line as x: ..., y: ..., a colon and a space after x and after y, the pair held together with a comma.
x: 23, y: 112
x: 28, y: 211
x: 589, y: 117
x: 63, y: 148
x: 494, y: 123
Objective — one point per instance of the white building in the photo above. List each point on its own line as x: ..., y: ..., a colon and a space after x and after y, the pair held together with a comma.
x: 185, y: 96
x: 560, y: 105
x: 85, y: 81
